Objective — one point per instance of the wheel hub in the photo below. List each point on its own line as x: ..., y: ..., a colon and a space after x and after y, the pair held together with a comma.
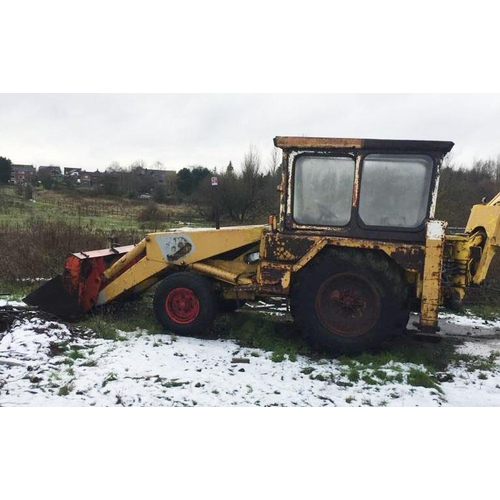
x: 348, y: 304
x: 182, y: 305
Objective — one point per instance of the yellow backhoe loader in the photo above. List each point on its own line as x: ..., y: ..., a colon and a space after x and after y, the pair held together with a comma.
x: 354, y: 248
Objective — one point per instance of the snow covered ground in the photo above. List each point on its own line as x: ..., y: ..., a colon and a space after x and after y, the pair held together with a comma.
x: 44, y: 363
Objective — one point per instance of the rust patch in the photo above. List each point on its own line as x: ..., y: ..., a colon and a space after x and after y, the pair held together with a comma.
x: 271, y: 275
x: 280, y: 247
x: 317, y: 143
x: 326, y: 143
x: 291, y: 248
x: 409, y: 258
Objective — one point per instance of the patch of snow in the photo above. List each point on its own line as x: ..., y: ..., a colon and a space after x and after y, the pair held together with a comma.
x: 469, y: 321
x: 55, y: 368
x: 14, y: 303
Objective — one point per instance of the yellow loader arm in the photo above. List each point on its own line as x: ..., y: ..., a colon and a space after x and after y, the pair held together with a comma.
x: 98, y: 277
x: 160, y: 251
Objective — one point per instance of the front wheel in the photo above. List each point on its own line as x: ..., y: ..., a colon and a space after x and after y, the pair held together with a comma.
x: 185, y: 304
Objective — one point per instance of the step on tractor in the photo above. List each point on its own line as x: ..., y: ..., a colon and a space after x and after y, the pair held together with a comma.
x: 354, y: 249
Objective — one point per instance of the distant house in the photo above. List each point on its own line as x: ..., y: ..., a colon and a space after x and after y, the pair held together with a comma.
x: 21, y: 174
x: 89, y: 178
x: 51, y: 170
x: 85, y: 179
x: 157, y: 174
x: 72, y: 172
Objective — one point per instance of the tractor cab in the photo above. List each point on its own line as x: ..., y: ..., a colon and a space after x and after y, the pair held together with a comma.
x: 364, y: 188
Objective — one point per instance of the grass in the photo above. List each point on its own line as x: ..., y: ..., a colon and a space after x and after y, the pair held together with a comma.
x: 83, y: 209
x: 75, y: 354
x: 475, y: 363
x: 484, y: 301
x: 488, y: 312
x: 65, y: 389
x: 423, y: 378
x: 16, y: 290
x: 108, y: 321
x: 264, y: 332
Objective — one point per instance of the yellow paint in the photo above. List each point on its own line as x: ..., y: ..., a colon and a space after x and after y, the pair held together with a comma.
x: 120, y: 264
x: 431, y: 285
x: 206, y: 243
x: 485, y: 218
x: 218, y: 272
x: 131, y: 278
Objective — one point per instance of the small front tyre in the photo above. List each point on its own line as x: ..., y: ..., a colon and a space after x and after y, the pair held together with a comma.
x: 185, y: 304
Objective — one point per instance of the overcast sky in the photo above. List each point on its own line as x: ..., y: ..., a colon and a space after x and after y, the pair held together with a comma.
x: 93, y: 130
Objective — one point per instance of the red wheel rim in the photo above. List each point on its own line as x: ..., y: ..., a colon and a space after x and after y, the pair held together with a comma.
x: 182, y: 306
x: 348, y: 304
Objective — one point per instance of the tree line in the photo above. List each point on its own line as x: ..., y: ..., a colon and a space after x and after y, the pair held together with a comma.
x: 463, y: 185
x: 246, y: 194
x: 249, y: 193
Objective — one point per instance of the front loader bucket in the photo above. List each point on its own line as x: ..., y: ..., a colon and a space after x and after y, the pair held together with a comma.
x: 54, y: 298
x: 70, y: 295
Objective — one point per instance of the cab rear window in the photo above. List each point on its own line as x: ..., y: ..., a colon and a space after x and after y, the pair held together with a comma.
x: 395, y: 190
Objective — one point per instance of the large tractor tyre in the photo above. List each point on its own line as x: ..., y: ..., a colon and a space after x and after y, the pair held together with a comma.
x: 227, y: 305
x: 185, y: 304
x: 350, y: 301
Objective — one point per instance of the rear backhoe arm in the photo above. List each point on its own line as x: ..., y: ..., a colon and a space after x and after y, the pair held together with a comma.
x: 470, y: 254
x: 485, y: 220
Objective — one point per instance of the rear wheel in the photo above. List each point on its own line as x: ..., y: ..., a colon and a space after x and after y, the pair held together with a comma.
x: 350, y: 301
x: 184, y: 303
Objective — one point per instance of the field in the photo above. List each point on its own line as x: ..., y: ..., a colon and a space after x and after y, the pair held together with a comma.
x: 82, y: 208
x: 36, y: 236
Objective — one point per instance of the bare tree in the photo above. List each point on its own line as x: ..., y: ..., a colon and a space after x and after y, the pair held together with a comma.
x: 251, y: 163
x: 274, y: 162
x: 137, y: 164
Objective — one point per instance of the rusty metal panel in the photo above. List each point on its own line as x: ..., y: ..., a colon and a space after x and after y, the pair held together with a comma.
x: 294, y: 247
x: 104, y: 253
x: 317, y: 143
x: 283, y: 247
x: 272, y: 274
x: 324, y: 143
x: 409, y: 257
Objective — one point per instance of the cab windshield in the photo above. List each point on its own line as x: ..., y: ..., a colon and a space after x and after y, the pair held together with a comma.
x: 323, y: 188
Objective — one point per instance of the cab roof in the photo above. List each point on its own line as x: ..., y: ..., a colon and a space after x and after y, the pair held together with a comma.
x: 291, y: 143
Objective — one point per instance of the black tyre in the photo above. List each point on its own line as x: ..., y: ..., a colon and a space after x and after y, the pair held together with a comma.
x: 185, y: 304
x: 227, y: 305
x: 350, y: 301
